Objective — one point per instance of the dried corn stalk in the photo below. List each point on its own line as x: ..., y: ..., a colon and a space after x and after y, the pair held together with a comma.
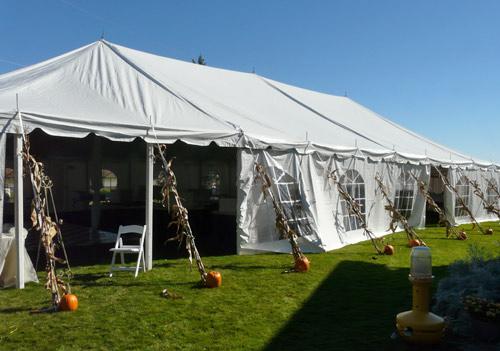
x: 492, y: 186
x: 355, y: 209
x: 281, y: 219
x: 450, y: 229
x: 396, y: 216
x: 179, y: 214
x: 489, y: 207
x: 49, y: 229
x: 460, y: 200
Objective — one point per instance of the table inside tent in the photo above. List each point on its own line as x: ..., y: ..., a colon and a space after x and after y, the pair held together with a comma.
x: 8, y: 253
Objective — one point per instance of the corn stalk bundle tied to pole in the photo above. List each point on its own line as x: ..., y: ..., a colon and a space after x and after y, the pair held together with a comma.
x: 49, y: 228
x: 460, y: 200
x: 450, y: 229
x: 179, y: 213
x: 396, y: 216
x: 492, y: 186
x: 282, y: 222
x: 355, y: 210
x: 489, y: 207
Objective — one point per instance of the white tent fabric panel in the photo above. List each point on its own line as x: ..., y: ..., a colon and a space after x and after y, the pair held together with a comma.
x: 457, y: 178
x: 3, y: 137
x: 324, y: 226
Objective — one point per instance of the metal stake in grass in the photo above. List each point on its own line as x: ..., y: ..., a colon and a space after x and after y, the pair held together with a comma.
x: 396, y: 216
x: 355, y: 210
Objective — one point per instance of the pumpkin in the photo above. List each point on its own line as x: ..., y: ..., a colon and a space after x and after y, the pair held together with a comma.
x: 302, y: 264
x: 389, y: 250
x: 213, y: 279
x: 414, y: 242
x: 489, y: 231
x: 462, y: 235
x: 69, y: 302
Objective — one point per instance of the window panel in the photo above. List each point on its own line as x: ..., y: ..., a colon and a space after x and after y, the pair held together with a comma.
x: 491, y: 196
x: 291, y: 201
x: 403, y: 201
x: 463, y: 190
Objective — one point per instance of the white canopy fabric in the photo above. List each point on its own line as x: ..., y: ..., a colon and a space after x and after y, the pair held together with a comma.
x: 122, y: 94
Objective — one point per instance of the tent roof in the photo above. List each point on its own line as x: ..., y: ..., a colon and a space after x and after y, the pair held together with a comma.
x: 121, y: 94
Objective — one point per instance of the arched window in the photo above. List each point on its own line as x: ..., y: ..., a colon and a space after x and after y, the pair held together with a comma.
x: 9, y: 185
x: 463, y: 190
x: 354, y: 185
x: 109, y: 181
x: 491, y: 195
x: 405, y: 193
x: 291, y: 201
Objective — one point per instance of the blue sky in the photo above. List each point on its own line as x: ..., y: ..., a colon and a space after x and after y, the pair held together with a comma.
x: 431, y: 66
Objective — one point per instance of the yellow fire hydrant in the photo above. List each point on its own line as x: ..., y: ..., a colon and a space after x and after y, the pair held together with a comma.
x: 419, y: 325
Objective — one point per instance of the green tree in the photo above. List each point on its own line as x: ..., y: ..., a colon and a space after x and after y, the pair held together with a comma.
x: 200, y: 60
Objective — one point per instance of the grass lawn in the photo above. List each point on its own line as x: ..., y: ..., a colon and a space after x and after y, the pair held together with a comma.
x: 348, y: 301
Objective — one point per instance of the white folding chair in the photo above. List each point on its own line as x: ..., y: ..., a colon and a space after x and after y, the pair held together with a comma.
x: 125, y: 232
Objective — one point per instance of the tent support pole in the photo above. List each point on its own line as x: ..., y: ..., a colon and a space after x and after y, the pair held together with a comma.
x: 96, y: 178
x: 3, y: 137
x: 19, y: 215
x: 149, y: 205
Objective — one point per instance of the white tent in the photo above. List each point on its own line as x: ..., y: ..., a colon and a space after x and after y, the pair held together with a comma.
x: 300, y: 135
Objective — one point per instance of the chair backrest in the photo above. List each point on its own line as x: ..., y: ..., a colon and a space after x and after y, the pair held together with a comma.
x: 125, y: 230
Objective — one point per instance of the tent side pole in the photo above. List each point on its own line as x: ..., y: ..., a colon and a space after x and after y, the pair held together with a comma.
x: 149, y: 206
x: 3, y: 137
x: 19, y: 215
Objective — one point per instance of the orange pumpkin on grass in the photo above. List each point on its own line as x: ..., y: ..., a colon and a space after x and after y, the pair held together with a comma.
x: 389, y: 250
x: 302, y: 264
x: 462, y: 235
x: 414, y: 242
x: 69, y: 302
x: 213, y: 279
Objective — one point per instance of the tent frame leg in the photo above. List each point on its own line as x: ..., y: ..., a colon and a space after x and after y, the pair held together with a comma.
x: 149, y: 206
x: 19, y: 206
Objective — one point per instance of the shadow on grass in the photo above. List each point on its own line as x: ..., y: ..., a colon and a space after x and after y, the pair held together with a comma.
x: 164, y: 265
x: 16, y: 309
x: 350, y: 310
x: 243, y: 267
x: 121, y: 279
x: 103, y: 279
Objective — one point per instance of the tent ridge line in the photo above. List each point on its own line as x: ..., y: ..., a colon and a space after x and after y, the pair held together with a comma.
x: 319, y: 113
x: 418, y: 136
x: 161, y: 84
